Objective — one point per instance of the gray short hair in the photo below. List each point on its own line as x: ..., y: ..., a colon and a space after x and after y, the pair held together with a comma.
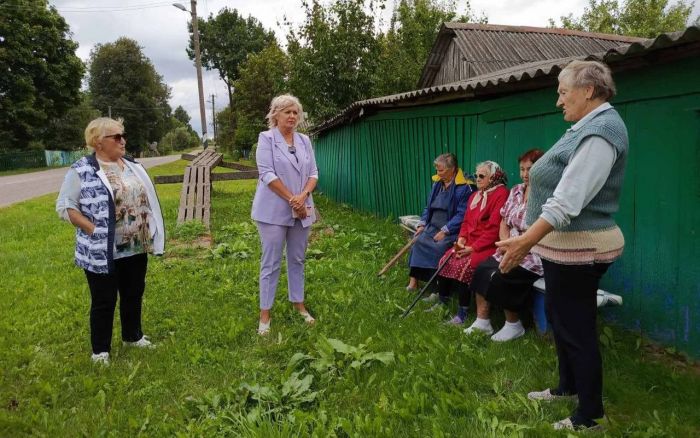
x: 280, y: 103
x: 579, y: 74
x: 449, y: 160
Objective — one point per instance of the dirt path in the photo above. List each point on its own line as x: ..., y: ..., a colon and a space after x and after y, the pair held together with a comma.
x: 17, y: 188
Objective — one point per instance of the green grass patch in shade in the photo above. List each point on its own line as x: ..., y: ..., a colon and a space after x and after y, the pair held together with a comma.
x: 360, y: 371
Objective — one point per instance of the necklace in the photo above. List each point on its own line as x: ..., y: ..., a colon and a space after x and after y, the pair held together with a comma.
x: 118, y: 162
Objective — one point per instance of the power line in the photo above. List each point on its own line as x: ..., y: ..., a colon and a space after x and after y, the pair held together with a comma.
x: 93, y: 9
x: 142, y: 108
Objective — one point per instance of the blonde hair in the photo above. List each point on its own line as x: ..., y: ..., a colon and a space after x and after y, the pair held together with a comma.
x: 280, y: 103
x: 97, y: 129
x: 580, y: 74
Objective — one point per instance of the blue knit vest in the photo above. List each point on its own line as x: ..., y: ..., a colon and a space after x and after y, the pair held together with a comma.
x: 94, y: 252
x: 546, y: 173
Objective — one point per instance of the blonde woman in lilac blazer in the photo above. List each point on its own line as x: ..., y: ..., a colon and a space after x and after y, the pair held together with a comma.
x: 283, y: 208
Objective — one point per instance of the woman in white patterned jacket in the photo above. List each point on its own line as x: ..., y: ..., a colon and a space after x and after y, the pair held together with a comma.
x: 112, y: 203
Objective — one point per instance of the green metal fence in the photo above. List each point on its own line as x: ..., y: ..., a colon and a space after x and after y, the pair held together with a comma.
x: 10, y: 160
x: 22, y: 159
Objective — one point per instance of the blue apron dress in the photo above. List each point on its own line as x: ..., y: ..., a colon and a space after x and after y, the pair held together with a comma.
x: 426, y: 252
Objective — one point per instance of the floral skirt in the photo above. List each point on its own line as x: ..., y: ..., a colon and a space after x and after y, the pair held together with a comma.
x: 457, y: 268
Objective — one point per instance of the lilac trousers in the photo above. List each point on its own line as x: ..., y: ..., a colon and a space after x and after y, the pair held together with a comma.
x: 273, y: 239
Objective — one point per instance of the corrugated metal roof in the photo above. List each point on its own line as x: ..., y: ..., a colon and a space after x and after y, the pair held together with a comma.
x: 488, y: 47
x: 513, y: 77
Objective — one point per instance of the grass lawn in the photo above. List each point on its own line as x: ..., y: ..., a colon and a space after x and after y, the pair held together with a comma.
x: 360, y: 371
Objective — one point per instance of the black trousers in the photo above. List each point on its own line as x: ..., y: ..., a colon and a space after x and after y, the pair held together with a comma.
x: 446, y: 286
x: 571, y: 308
x: 422, y: 274
x: 129, y: 281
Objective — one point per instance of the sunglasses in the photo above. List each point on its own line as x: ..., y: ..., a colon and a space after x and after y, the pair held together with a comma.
x: 116, y: 137
x: 480, y: 176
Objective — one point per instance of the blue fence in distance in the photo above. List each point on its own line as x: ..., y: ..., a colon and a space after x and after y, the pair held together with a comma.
x: 10, y: 160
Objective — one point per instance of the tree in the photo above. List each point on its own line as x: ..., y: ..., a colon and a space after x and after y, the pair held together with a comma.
x: 40, y: 72
x: 226, y: 40
x: 181, y: 118
x: 262, y: 77
x: 226, y: 129
x: 334, y: 54
x: 642, y: 18
x: 406, y: 45
x: 68, y: 132
x: 123, y: 78
x: 181, y: 115
x: 178, y: 139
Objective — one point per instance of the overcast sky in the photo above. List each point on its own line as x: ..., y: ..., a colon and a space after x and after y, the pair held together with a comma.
x: 161, y: 29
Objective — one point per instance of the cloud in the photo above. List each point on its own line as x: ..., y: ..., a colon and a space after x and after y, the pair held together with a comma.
x: 161, y: 30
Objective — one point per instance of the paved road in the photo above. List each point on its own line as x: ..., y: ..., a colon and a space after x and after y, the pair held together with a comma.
x: 17, y: 188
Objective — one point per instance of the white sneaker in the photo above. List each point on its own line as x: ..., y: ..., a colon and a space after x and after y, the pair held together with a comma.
x: 547, y: 395
x: 101, y: 358
x: 564, y: 424
x: 141, y: 343
x: 480, y: 327
x: 437, y: 307
x: 567, y: 424
x: 432, y: 298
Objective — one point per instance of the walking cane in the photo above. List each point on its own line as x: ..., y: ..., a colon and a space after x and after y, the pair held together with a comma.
x: 422, y: 291
x: 398, y: 255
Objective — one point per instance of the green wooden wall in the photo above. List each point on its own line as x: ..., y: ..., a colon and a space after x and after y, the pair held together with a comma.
x: 383, y: 164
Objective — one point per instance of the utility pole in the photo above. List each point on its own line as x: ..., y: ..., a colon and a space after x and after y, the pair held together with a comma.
x: 198, y: 64
x: 198, y: 61
x: 109, y: 111
x: 213, y: 114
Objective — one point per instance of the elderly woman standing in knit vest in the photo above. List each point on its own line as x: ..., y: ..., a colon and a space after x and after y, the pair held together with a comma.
x: 574, y: 191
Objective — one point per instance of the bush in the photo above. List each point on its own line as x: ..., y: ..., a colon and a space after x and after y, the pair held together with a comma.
x: 235, y: 155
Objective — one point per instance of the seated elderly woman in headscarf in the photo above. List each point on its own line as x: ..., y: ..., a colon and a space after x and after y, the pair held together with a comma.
x: 477, y: 237
x: 512, y: 290
x: 440, y: 220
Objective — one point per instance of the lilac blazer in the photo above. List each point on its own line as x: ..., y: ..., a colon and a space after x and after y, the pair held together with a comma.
x: 275, y: 162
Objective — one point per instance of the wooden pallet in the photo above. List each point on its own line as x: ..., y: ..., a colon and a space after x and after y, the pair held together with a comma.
x: 195, y: 197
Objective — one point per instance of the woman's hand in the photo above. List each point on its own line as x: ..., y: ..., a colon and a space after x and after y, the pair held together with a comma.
x: 439, y: 236
x: 514, y: 251
x: 419, y: 229
x: 297, y: 201
x: 460, y: 249
x: 301, y: 212
x: 516, y: 248
x: 81, y: 221
x: 467, y: 250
